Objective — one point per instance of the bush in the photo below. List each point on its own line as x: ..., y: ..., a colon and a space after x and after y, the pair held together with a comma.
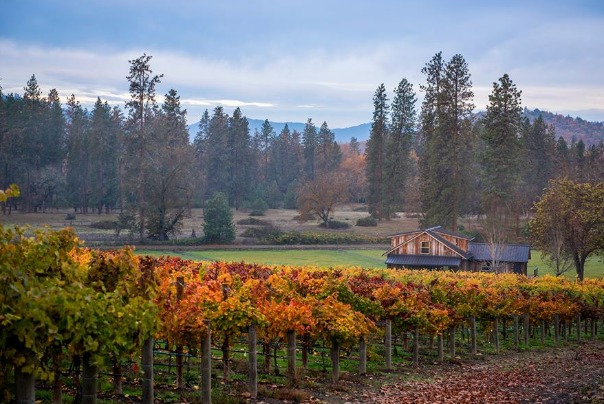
x: 258, y: 207
x: 261, y: 233
x: 218, y: 224
x: 289, y: 238
x: 105, y: 225
x: 335, y: 224
x: 252, y: 221
x: 368, y: 221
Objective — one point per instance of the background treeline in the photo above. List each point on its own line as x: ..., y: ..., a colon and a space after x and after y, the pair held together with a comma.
x: 446, y: 162
x: 440, y: 159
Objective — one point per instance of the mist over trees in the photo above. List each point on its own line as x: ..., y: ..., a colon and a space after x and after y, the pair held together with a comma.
x: 438, y: 160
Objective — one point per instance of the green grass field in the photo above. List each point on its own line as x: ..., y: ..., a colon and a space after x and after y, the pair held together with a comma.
x: 347, y: 257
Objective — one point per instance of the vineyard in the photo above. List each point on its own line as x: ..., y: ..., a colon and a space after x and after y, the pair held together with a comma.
x: 92, y: 324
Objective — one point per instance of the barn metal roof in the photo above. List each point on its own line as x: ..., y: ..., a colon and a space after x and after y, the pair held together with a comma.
x: 507, y: 252
x: 423, y: 261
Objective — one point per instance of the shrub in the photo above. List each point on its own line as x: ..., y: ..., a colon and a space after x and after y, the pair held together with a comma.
x: 218, y: 224
x: 252, y: 221
x: 335, y: 224
x: 289, y: 238
x: 105, y: 225
x: 258, y: 207
x: 368, y: 221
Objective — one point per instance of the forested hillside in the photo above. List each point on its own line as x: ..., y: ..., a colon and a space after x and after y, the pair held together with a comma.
x: 570, y: 128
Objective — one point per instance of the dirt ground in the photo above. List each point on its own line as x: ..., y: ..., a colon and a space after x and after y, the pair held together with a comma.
x: 573, y: 374
x: 280, y: 218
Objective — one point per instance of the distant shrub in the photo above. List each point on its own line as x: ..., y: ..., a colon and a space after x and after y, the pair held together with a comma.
x: 105, y: 225
x: 362, y: 208
x: 70, y: 216
x: 335, y: 224
x: 289, y: 238
x: 252, y: 221
x: 261, y: 233
x: 368, y: 221
x: 258, y: 207
x: 304, y: 217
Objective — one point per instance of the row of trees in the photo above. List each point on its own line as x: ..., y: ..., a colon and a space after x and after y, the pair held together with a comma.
x: 144, y: 164
x: 102, y: 307
x: 450, y: 162
x: 442, y: 162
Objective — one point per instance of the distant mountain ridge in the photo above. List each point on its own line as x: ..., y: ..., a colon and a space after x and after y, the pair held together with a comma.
x: 566, y: 126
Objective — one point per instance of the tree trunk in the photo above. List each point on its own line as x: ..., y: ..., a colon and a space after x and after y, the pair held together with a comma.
x: 516, y: 331
x: 148, y: 396
x: 439, y: 343
x: 416, y: 346
x: 89, y: 380
x: 57, y: 384
x: 305, y: 349
x: 117, y: 377
x: 292, y: 379
x: 180, y: 290
x: 496, y: 334
x: 388, y: 344
x: 556, y: 328
x: 452, y: 341
x: 25, y: 383
x: 266, y: 351
x: 252, y: 362
x: 526, y: 328
x: 362, y: 357
x: 206, y: 366
x: 542, y: 331
x: 335, y: 360
x: 473, y: 335
x: 179, y: 367
x: 226, y: 353
x: 579, y: 327
x: 505, y: 329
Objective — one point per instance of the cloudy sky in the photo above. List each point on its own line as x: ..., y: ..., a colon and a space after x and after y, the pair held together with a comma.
x: 289, y: 60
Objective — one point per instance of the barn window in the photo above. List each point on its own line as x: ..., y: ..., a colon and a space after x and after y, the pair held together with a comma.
x: 425, y: 247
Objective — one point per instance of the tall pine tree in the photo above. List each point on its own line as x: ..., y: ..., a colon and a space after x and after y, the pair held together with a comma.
x: 397, y: 164
x: 375, y: 153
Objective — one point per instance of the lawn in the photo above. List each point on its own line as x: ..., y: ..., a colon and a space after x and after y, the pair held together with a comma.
x: 322, y: 258
x: 347, y: 257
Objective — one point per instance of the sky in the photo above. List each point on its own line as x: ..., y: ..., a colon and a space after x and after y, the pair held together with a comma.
x: 290, y: 60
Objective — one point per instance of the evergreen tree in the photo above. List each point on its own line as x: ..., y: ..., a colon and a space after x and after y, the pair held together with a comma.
x: 309, y: 141
x: 264, y: 142
x: 538, y: 163
x: 355, y: 145
x: 142, y: 108
x: 397, y: 165
x: 328, y: 153
x: 78, y: 163
x: 218, y: 224
x: 218, y: 160
x: 53, y: 139
x: 240, y: 158
x: 501, y: 155
x: 104, y: 147
x: 446, y: 123
x: 376, y: 148
x: 200, y: 147
x: 286, y: 160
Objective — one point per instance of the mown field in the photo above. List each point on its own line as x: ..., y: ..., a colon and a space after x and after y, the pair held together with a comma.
x: 347, y: 257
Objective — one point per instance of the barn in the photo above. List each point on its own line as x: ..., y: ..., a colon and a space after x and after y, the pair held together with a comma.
x: 438, y: 249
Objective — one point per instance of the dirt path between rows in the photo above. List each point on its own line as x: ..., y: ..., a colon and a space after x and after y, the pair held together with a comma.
x: 573, y: 374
